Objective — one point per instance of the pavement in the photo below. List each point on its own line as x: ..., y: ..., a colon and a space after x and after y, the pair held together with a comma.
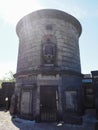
x: 9, y: 123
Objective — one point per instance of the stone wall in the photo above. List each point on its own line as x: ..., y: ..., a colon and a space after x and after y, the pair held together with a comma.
x: 60, y: 68
x: 31, y: 31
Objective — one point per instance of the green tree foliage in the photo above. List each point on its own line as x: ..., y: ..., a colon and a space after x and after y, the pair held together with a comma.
x: 7, y: 78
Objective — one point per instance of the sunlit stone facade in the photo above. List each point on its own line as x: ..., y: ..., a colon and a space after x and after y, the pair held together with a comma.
x: 48, y: 78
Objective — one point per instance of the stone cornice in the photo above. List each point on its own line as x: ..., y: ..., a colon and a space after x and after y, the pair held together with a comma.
x: 50, y: 13
x: 28, y: 73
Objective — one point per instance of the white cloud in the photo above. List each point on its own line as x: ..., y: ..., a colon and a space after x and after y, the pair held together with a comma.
x: 71, y: 7
x: 5, y: 68
x: 13, y: 10
x: 77, y: 12
x: 96, y: 13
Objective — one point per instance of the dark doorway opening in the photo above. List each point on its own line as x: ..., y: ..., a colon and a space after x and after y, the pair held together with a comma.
x: 48, y: 103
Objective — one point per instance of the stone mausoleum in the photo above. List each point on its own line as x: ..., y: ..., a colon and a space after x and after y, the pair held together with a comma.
x: 48, y: 79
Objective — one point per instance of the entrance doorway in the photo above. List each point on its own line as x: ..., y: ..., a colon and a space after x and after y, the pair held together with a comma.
x: 48, y: 103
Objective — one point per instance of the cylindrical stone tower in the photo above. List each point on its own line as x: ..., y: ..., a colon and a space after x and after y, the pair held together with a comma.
x: 48, y: 78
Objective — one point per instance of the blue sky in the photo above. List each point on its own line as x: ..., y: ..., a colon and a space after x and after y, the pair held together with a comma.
x: 86, y: 11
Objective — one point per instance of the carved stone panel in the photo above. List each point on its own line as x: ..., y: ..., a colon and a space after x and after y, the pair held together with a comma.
x: 49, y: 50
x: 26, y: 102
x: 71, y: 100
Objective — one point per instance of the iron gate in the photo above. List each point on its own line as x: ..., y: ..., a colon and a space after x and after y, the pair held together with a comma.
x: 48, y: 103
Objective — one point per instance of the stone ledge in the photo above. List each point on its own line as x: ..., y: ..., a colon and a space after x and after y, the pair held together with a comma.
x: 46, y: 71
